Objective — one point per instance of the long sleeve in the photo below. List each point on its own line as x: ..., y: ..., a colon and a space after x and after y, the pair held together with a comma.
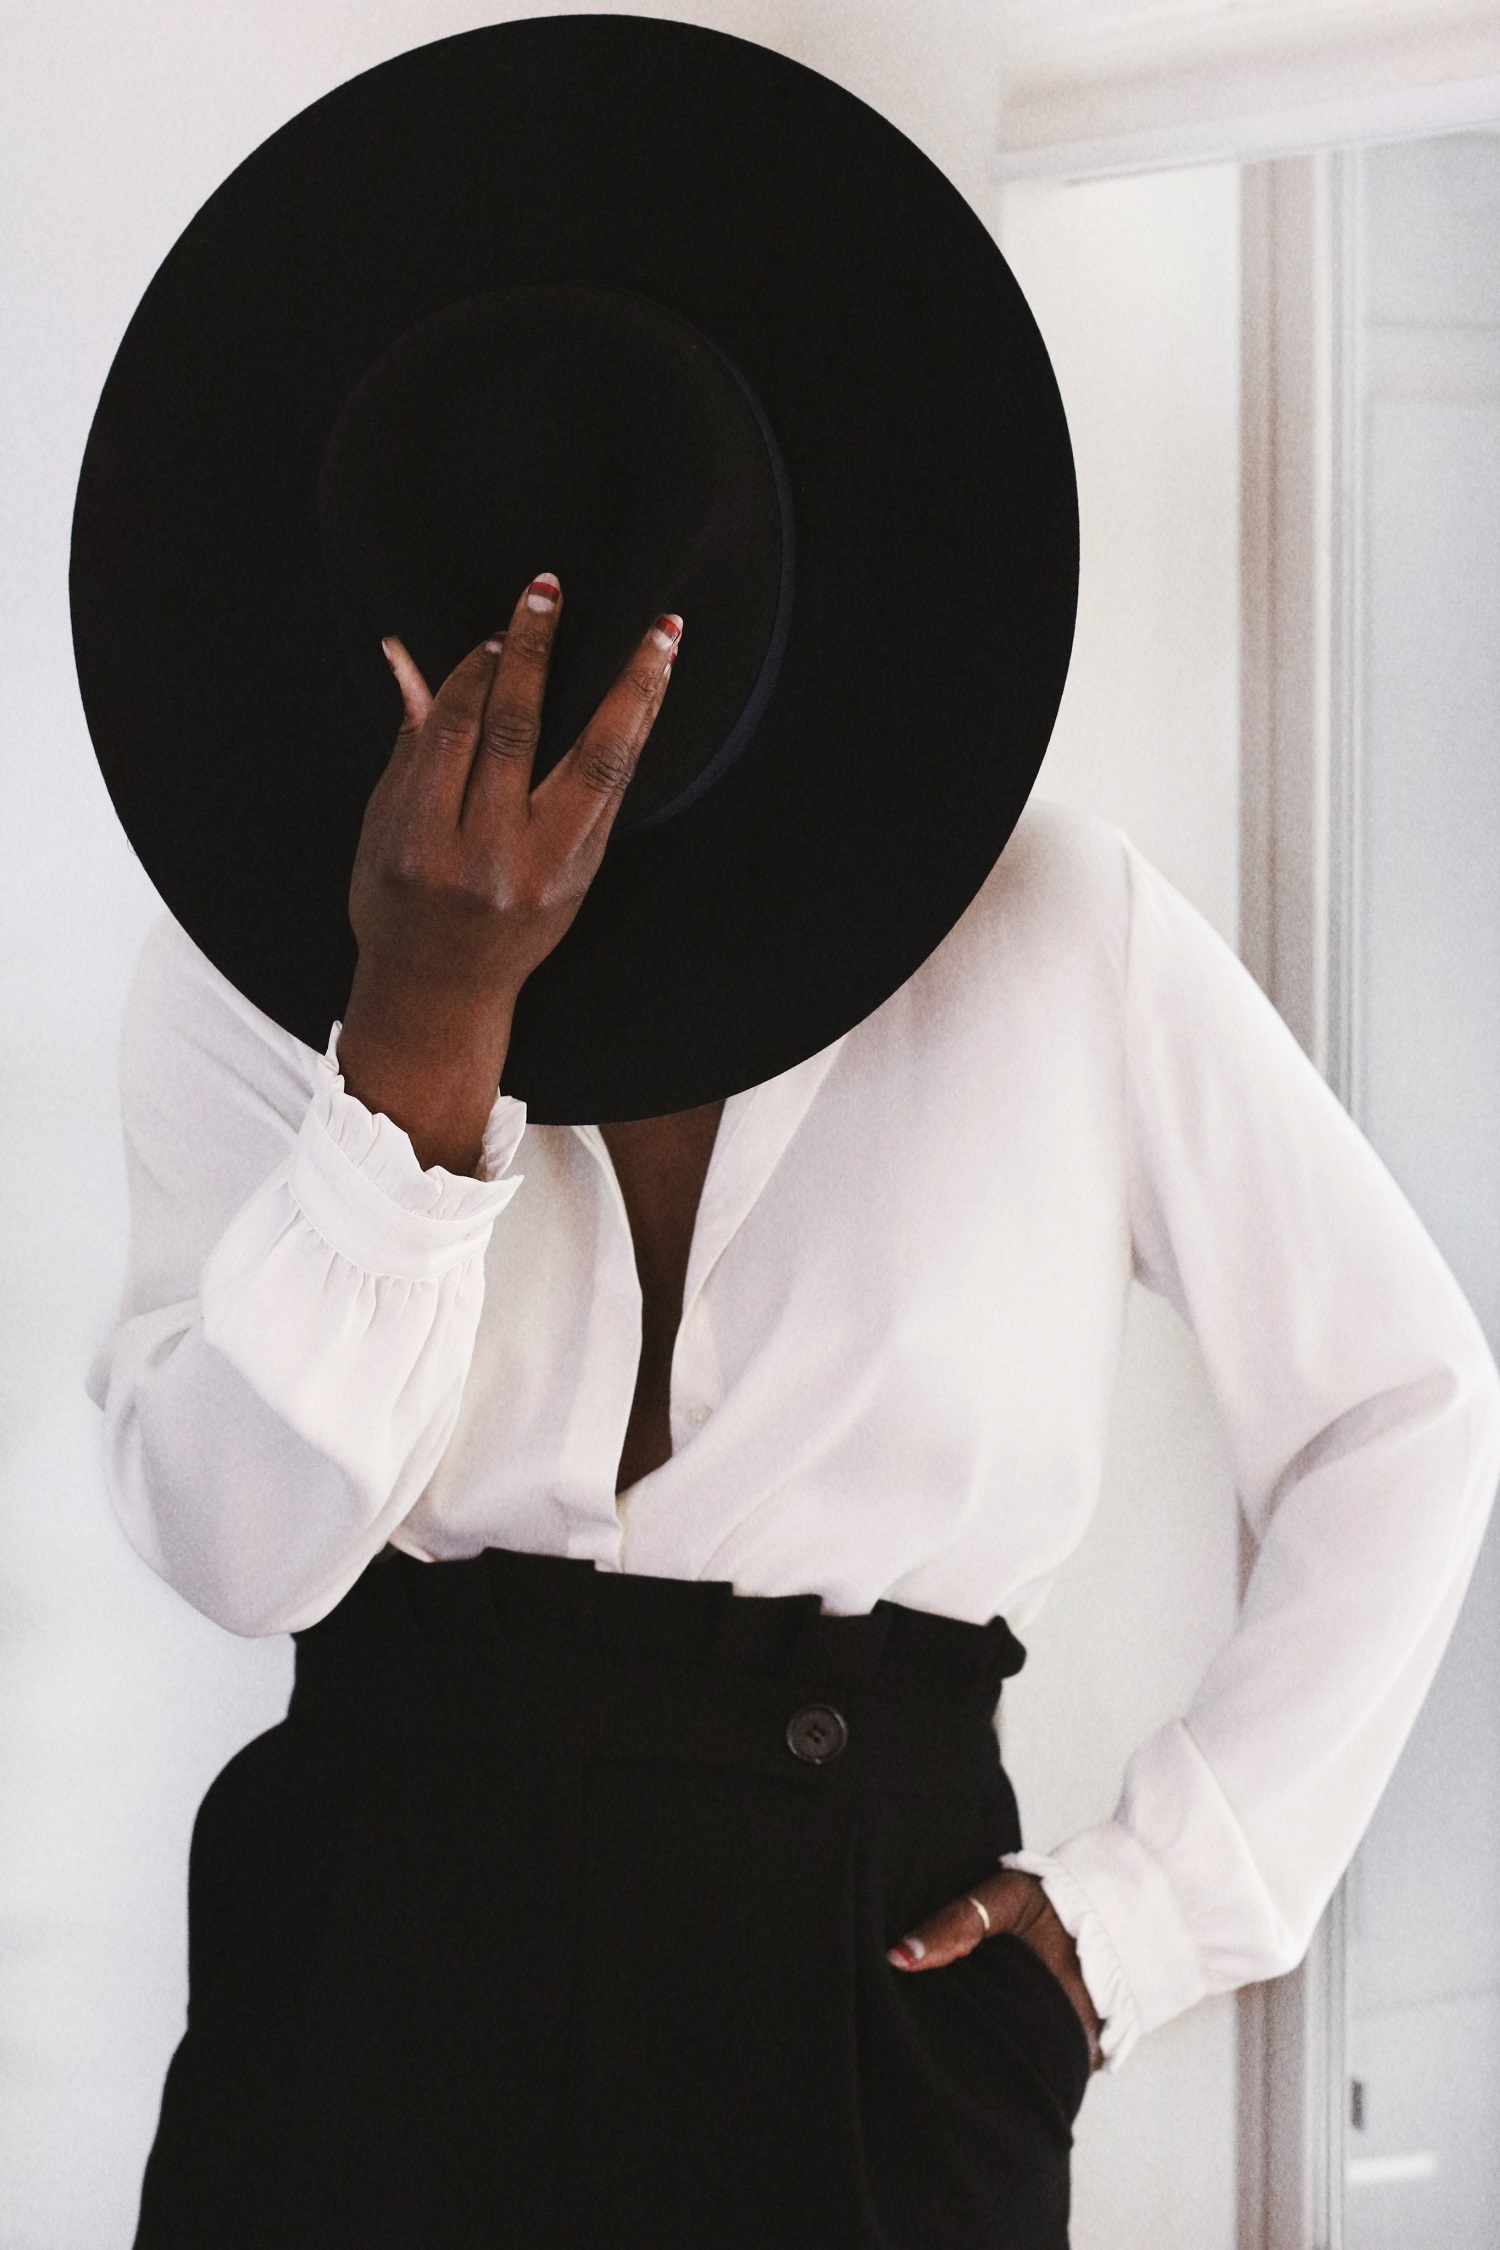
x: 1362, y: 1411
x: 300, y: 1306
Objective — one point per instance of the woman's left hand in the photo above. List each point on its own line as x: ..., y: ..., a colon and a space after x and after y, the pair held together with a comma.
x: 1013, y: 1902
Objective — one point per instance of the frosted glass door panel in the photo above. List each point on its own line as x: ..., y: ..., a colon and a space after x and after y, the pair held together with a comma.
x: 1423, y: 2138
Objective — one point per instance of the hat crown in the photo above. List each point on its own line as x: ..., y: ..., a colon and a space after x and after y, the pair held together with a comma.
x: 585, y: 431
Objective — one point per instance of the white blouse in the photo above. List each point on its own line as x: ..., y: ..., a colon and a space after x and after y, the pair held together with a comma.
x: 900, y: 1330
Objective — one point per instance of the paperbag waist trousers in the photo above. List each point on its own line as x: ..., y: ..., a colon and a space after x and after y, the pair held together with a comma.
x: 554, y: 1916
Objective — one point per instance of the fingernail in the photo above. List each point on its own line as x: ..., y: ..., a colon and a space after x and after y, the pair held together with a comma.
x: 385, y: 650
x: 907, y: 1952
x: 495, y: 644
x: 667, y: 632
x: 543, y: 591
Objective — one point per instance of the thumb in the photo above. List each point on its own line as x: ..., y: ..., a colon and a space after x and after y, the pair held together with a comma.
x: 415, y: 695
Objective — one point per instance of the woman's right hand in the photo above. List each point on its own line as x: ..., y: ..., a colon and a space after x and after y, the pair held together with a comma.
x: 466, y: 877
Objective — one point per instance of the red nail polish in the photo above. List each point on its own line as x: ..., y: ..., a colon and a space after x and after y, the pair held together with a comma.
x: 667, y: 632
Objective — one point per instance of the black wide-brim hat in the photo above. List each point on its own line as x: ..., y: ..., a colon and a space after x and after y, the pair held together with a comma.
x: 661, y: 311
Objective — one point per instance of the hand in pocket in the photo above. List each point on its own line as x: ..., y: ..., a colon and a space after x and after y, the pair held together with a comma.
x: 1010, y: 1902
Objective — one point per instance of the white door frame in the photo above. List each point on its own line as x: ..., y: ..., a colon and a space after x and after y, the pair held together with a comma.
x: 1299, y: 922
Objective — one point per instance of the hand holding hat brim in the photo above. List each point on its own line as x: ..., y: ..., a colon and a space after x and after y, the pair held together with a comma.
x: 466, y: 877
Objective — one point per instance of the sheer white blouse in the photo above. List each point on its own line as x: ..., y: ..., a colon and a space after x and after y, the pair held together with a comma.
x: 900, y: 1329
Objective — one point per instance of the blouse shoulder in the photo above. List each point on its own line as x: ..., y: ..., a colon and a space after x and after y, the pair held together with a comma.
x: 1062, y: 860
x: 1058, y: 899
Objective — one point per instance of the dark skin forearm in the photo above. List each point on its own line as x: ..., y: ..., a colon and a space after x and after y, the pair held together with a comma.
x: 432, y: 1066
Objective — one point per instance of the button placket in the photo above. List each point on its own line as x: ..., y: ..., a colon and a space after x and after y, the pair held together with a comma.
x: 753, y: 1135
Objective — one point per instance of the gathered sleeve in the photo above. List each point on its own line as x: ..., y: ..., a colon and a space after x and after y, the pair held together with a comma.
x: 300, y: 1306
x: 1362, y: 1411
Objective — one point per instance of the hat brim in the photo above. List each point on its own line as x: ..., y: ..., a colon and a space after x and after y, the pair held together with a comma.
x: 932, y: 487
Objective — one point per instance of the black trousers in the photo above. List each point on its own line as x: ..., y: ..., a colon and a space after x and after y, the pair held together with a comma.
x: 554, y: 1917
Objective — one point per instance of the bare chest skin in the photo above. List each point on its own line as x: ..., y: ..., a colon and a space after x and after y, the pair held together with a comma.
x: 661, y: 1164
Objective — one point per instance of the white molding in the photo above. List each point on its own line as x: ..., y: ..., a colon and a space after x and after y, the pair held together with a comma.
x: 1286, y: 577
x: 1292, y: 2079
x: 1299, y: 897
x: 1243, y: 87
x: 1348, y: 379
x: 1468, y: 106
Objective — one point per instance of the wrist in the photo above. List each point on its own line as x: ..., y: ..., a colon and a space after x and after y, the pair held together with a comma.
x: 428, y: 1060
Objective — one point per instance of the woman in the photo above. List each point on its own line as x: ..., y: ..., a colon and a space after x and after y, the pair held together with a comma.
x: 412, y: 1902
x: 653, y: 1501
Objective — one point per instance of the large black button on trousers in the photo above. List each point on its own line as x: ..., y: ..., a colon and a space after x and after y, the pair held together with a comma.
x: 554, y: 1917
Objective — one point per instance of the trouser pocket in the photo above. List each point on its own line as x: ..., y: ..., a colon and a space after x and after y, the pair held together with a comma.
x: 970, y: 2074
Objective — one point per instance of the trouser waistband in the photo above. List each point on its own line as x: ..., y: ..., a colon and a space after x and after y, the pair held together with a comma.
x: 550, y: 1655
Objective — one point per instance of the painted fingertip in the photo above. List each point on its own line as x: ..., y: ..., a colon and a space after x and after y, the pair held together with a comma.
x: 496, y: 644
x: 543, y: 591
x: 667, y: 632
x: 385, y: 650
x: 907, y: 1952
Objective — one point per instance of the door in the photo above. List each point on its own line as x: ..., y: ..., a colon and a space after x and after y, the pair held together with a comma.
x: 1422, y: 549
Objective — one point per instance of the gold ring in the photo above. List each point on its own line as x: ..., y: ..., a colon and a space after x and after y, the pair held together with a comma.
x: 979, y: 1910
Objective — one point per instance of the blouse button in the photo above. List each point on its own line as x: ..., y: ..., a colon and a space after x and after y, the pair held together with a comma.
x: 816, y: 1733
x: 697, y: 1415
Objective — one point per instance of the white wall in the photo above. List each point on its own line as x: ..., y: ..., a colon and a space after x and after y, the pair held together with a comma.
x: 116, y: 1703
x: 1136, y: 286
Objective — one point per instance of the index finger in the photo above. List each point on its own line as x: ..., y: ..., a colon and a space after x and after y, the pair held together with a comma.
x: 442, y: 748
x: 582, y: 792
x: 1007, y: 1901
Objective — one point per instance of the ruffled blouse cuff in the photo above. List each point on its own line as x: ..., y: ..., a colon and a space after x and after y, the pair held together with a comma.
x: 1167, y: 1960
x: 354, y: 1174
x: 1098, y: 1963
